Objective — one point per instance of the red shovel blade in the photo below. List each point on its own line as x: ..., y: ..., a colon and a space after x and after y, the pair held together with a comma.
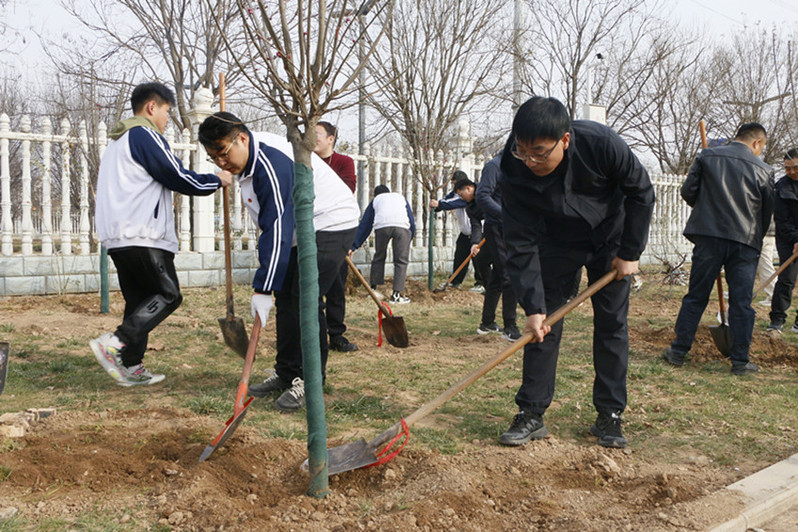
x: 229, y: 428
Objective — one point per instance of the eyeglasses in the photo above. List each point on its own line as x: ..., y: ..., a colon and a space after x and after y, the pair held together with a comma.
x: 221, y: 156
x: 536, y: 159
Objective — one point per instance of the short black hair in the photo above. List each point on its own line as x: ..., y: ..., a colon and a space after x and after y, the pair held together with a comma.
x: 460, y: 184
x: 751, y: 131
x: 219, y: 126
x: 791, y: 154
x: 458, y: 175
x: 331, y: 130
x: 151, y: 91
x: 541, y: 118
x: 381, y: 189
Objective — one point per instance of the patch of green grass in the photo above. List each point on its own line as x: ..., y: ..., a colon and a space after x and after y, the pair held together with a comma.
x: 7, y: 327
x: 209, y: 405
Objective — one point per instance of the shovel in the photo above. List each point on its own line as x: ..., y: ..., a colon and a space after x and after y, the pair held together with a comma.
x: 233, y: 329
x: 721, y: 334
x: 240, y: 407
x: 394, y: 326
x: 363, y: 454
x: 775, y: 274
x: 443, y: 287
x: 4, y: 349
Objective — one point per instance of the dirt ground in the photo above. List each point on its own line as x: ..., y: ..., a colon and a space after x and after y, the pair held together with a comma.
x: 145, y: 474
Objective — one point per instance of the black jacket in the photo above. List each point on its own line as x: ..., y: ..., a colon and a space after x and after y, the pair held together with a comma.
x: 731, y: 193
x: 786, y: 211
x: 600, y: 195
x: 475, y: 216
x: 488, y: 193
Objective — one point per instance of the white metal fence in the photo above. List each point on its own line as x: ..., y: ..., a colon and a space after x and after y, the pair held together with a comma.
x: 47, y: 195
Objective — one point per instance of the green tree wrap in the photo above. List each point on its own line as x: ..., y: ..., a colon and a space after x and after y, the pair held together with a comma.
x: 309, y: 326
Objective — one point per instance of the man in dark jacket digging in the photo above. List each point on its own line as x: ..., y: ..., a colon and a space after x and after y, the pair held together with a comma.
x: 573, y: 195
x: 786, y: 218
x: 731, y: 192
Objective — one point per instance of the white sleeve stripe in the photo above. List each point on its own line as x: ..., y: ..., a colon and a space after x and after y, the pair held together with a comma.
x: 271, y: 175
x: 176, y: 165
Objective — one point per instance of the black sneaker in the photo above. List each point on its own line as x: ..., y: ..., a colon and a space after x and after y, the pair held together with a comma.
x: 525, y: 427
x: 673, y: 357
x: 273, y: 383
x: 608, y: 430
x: 745, y: 369
x: 777, y: 327
x: 340, y: 343
x: 511, y: 333
x: 489, y: 328
x: 293, y: 398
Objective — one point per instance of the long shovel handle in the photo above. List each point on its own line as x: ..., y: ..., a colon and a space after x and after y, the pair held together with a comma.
x: 721, y: 299
x: 243, y: 385
x: 228, y: 261
x: 380, y: 304
x: 775, y: 274
x: 463, y: 265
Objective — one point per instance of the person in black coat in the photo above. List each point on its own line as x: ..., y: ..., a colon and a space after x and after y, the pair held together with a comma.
x: 731, y: 192
x: 786, y: 218
x: 573, y: 195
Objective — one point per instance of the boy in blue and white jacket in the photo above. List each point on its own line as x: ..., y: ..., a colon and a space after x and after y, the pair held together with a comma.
x: 135, y: 222
x: 264, y: 165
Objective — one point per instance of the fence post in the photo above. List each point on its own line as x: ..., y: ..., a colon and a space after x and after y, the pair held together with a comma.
x: 47, y: 205
x: 5, y: 186
x: 204, y: 215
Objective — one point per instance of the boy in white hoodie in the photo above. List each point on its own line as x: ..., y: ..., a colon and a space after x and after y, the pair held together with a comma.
x: 135, y: 222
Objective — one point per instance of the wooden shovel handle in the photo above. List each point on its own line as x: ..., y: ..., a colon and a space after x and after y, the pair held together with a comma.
x: 380, y: 304
x: 243, y: 384
x: 228, y: 261
x: 469, y: 379
x: 463, y: 265
x: 775, y: 274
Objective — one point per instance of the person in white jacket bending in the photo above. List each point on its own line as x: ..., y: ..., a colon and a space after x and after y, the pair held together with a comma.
x: 135, y: 222
x: 390, y: 215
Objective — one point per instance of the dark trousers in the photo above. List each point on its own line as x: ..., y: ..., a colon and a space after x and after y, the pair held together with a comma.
x: 331, y: 248
x: 149, y: 285
x: 335, y: 304
x: 462, y: 250
x: 782, y: 293
x: 739, y: 262
x: 400, y: 239
x: 498, y: 285
x: 610, y: 331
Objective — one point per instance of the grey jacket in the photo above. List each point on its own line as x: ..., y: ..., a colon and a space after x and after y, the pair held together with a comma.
x: 731, y: 193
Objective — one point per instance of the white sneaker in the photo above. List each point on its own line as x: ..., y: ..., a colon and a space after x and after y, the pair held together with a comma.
x: 138, y: 375
x: 107, y: 349
x: 765, y: 302
x: 399, y: 299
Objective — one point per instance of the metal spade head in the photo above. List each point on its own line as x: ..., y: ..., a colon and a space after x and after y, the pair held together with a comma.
x: 395, y: 331
x: 235, y: 334
x: 230, y: 427
x: 4, y: 350
x: 721, y: 335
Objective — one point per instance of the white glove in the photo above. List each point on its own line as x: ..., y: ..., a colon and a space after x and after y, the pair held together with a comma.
x: 261, y: 306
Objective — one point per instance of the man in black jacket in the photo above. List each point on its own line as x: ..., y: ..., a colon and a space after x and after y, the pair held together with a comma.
x: 731, y: 192
x: 573, y: 195
x: 786, y: 218
x: 489, y: 199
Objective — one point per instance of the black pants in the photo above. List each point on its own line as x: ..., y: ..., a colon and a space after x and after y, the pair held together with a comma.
x: 149, y: 285
x: 331, y: 248
x: 498, y: 285
x: 461, y: 252
x: 782, y: 293
x: 739, y: 261
x: 610, y: 331
x: 335, y: 304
